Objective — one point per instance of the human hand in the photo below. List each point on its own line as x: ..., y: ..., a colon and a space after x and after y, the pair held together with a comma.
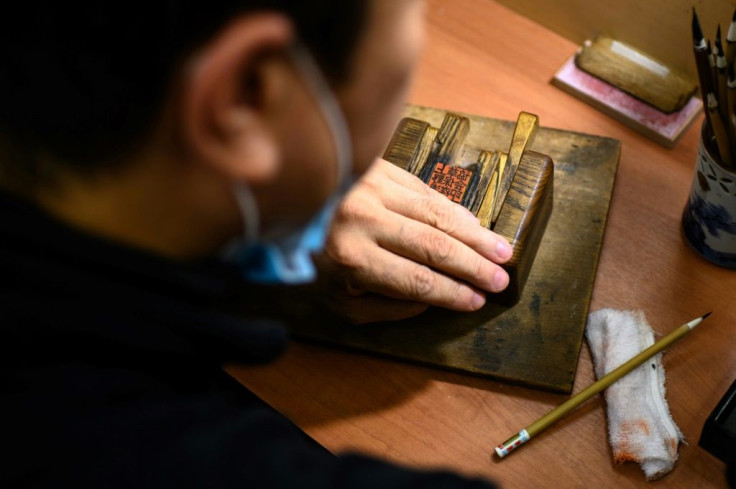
x: 396, y: 246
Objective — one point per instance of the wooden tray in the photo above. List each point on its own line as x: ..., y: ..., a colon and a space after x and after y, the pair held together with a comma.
x: 537, y: 341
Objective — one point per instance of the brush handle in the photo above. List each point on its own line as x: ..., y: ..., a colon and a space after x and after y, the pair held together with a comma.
x: 548, y: 419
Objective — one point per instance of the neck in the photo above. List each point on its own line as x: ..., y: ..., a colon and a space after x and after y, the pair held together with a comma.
x: 151, y: 204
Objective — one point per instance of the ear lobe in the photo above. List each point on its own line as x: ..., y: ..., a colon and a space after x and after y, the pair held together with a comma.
x: 224, y: 119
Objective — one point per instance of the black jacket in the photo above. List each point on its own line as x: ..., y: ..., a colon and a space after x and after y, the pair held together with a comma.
x: 111, y: 375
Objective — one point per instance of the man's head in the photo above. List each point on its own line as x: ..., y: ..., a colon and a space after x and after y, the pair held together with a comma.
x: 199, y: 96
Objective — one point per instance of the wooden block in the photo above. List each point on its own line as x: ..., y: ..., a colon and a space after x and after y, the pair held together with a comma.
x: 487, y: 206
x: 488, y: 162
x: 425, y: 149
x: 523, y: 219
x: 635, y: 73
x: 450, y: 139
x: 664, y: 129
x: 405, y: 142
x: 526, y: 128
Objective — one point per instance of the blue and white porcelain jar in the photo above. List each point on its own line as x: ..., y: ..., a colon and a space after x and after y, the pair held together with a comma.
x: 709, y: 218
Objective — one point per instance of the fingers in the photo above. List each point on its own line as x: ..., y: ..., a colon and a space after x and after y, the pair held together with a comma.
x: 394, y: 237
x: 422, y: 225
x: 383, y: 272
x: 441, y: 252
x: 422, y: 204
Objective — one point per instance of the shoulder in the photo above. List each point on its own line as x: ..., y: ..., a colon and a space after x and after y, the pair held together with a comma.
x: 99, y: 427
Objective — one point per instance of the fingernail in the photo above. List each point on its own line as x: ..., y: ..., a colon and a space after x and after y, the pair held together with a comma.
x: 500, y: 280
x: 503, y: 249
x: 477, y: 300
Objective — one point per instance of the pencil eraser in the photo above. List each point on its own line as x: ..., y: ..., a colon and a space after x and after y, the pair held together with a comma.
x: 658, y: 126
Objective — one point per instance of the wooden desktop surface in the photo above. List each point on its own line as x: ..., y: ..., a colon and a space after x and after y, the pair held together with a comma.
x: 483, y: 58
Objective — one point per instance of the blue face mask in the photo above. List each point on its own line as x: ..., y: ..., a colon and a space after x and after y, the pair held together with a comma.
x: 284, y: 256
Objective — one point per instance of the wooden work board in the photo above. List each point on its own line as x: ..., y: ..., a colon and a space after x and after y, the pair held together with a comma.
x: 537, y: 341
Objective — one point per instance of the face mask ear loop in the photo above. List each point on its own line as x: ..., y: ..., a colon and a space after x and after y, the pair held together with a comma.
x: 329, y: 107
x: 249, y: 210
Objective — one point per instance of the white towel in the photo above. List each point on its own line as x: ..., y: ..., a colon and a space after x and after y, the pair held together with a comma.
x: 640, y: 426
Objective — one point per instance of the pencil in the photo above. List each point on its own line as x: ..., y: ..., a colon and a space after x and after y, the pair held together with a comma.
x: 545, y: 421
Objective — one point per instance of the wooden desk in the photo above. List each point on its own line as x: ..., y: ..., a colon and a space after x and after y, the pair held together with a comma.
x: 483, y: 58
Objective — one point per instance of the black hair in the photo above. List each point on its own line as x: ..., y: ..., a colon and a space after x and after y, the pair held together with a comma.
x: 82, y: 83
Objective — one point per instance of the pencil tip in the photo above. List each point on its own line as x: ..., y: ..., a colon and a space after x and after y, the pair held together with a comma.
x: 733, y: 17
x: 706, y: 315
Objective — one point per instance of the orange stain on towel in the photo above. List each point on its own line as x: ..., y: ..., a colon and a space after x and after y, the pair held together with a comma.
x: 672, y: 444
x: 624, y: 455
x: 634, y: 426
x: 625, y: 452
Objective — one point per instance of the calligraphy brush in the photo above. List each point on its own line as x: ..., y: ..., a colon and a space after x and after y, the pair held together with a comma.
x: 731, y: 101
x: 702, y: 57
x: 712, y: 60
x: 548, y: 419
x: 701, y: 48
x: 721, y: 78
x: 731, y: 40
x: 720, y: 131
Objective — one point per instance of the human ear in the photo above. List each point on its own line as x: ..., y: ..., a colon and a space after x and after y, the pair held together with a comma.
x: 227, y: 92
